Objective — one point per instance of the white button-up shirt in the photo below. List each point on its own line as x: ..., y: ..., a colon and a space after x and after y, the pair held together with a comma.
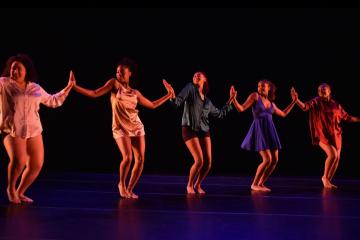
x: 19, y: 108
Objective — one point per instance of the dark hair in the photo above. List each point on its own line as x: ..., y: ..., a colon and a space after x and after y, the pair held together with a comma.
x: 131, y: 64
x: 324, y: 85
x: 31, y: 74
x: 206, y: 88
x: 272, y: 91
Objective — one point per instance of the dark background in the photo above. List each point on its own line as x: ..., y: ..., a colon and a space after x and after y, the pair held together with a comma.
x: 291, y: 47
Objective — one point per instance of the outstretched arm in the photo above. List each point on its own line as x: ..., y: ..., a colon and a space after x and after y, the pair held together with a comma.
x: 97, y: 92
x: 56, y: 100
x: 346, y: 117
x: 182, y: 96
x: 249, y: 101
x: 154, y: 104
x: 294, y: 96
x: 285, y: 112
x: 220, y: 113
x: 354, y: 119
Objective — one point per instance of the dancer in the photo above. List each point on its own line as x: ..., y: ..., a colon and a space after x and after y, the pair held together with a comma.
x: 128, y: 130
x: 325, y: 117
x: 195, y: 127
x: 262, y: 136
x: 20, y: 124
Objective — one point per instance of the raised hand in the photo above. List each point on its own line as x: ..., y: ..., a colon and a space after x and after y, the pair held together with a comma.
x: 232, y: 95
x: 294, y: 94
x: 72, y: 80
x: 166, y: 84
x: 169, y: 88
x: 233, y: 92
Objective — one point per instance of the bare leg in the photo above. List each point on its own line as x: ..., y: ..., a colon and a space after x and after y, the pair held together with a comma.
x: 266, y: 159
x: 35, y: 149
x: 16, y: 150
x: 331, y: 153
x: 270, y: 169
x: 205, y: 144
x: 124, y: 144
x: 138, y: 146
x: 334, y: 167
x: 193, y: 144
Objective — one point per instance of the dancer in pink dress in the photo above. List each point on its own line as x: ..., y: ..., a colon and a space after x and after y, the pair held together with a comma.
x: 128, y: 130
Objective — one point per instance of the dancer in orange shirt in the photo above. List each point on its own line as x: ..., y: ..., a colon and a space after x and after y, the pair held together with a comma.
x: 324, y: 119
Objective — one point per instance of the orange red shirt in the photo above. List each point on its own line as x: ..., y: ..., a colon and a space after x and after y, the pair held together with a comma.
x: 324, y: 121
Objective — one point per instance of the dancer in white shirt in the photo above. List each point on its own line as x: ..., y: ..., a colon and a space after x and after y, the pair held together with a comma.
x: 20, y: 125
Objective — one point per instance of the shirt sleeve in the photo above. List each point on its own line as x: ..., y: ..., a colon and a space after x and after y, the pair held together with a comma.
x: 343, y: 114
x: 182, y: 96
x: 53, y: 100
x: 215, y: 112
x: 310, y: 104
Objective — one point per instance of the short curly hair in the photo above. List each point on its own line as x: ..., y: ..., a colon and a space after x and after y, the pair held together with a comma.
x: 272, y: 90
x: 31, y: 74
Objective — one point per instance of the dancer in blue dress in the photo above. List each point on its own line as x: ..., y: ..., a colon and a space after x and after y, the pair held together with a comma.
x: 262, y: 136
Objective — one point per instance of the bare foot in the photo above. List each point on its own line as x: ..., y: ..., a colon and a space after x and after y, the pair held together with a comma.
x: 25, y: 199
x: 200, y: 190
x: 326, y: 182
x: 265, y: 189
x: 123, y: 192
x: 334, y: 186
x: 190, y: 190
x: 12, y: 196
x: 256, y: 188
x: 133, y: 195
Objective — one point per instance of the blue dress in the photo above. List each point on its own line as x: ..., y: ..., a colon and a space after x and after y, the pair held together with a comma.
x: 262, y: 134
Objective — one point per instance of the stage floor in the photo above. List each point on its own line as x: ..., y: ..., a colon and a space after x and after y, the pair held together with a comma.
x: 88, y: 206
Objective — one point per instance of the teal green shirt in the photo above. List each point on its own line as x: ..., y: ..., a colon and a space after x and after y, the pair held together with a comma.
x: 196, y: 111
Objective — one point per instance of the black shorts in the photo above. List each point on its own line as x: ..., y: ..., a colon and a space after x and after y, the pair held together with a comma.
x: 188, y: 133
